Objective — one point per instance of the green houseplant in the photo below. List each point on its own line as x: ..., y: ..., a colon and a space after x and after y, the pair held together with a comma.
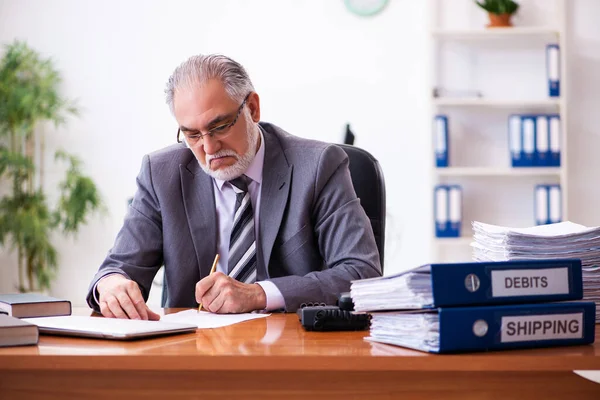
x: 499, y: 11
x: 30, y: 97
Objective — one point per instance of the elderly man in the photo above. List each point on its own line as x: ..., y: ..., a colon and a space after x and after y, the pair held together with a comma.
x: 279, y: 210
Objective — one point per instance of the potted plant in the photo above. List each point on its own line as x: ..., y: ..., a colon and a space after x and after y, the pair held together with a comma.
x: 499, y: 11
x: 30, y: 97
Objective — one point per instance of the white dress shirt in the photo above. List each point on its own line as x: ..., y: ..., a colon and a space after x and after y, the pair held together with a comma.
x: 225, y: 205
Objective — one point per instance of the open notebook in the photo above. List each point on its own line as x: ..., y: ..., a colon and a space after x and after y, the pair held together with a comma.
x: 108, y: 328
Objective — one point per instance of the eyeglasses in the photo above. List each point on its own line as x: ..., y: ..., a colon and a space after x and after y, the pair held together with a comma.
x: 218, y: 132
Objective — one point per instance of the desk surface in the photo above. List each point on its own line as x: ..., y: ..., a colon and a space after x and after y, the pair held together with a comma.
x: 275, y: 358
x: 280, y: 340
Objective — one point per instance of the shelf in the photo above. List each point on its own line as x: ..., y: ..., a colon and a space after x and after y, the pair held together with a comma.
x: 458, y: 241
x: 480, y: 77
x: 496, y: 33
x: 494, y: 171
x: 483, y: 102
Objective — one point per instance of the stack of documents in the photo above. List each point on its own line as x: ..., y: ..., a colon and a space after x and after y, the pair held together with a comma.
x: 472, y: 283
x: 461, y: 329
x: 475, y: 306
x: 560, y: 240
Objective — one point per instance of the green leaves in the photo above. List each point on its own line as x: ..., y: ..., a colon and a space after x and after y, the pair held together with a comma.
x: 498, y: 6
x: 79, y: 196
x: 15, y: 164
x: 29, y: 94
x: 26, y: 224
x: 28, y: 90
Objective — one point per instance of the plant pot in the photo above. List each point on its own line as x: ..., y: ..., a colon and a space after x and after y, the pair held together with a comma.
x: 499, y: 20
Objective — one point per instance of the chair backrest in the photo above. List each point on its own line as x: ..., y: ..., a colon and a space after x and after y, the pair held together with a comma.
x: 367, y: 178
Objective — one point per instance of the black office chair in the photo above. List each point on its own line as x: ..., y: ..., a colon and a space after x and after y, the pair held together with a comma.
x: 367, y: 178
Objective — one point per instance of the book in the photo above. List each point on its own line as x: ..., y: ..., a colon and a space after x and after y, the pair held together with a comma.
x: 26, y: 305
x: 494, y: 327
x: 15, y: 332
x: 471, y: 283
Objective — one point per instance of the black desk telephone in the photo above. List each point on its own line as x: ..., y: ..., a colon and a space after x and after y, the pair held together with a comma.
x: 320, y: 317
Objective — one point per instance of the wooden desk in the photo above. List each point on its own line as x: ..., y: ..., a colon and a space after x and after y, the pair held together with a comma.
x: 274, y: 358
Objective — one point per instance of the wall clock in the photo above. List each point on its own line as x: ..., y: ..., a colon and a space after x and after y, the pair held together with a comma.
x: 365, y: 8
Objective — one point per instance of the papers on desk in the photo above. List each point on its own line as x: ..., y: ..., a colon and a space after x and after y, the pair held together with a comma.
x: 420, y: 331
x: 560, y: 240
x: 107, y: 328
x: 124, y: 329
x: 205, y: 319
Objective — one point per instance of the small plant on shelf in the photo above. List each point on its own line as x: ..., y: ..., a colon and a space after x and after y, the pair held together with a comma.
x: 499, y: 11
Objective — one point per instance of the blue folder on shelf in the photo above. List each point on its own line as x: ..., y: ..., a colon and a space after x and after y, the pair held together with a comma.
x: 515, y: 140
x: 440, y: 130
x: 528, y: 136
x: 541, y: 205
x: 471, y: 283
x: 463, y: 329
x: 553, y: 69
x: 447, y: 204
x: 554, y: 140
x: 542, y: 141
x: 547, y: 204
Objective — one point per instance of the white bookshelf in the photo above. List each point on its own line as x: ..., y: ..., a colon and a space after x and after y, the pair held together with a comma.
x: 506, y: 67
x: 496, y: 33
x: 497, y: 171
x: 496, y: 103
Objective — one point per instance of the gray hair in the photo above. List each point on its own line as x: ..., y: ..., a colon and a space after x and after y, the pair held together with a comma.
x: 201, y: 68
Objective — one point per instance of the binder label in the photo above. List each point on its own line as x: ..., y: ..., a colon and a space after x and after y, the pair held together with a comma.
x: 530, y: 282
x: 541, y: 327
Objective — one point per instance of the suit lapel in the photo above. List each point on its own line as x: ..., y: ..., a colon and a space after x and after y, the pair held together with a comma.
x: 199, y: 204
x: 277, y: 176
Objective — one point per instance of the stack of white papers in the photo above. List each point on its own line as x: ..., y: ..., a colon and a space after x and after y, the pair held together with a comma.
x: 417, y: 331
x: 561, y: 240
x: 406, y: 290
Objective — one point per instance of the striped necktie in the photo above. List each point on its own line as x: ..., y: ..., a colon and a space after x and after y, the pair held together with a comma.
x: 242, y: 244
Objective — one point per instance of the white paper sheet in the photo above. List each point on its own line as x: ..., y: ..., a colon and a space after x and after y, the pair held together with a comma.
x: 592, y: 375
x: 205, y: 319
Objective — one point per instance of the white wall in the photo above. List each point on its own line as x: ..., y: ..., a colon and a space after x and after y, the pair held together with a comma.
x: 316, y: 67
x: 584, y: 115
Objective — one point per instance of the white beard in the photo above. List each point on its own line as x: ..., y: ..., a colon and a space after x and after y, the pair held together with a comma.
x: 242, y: 162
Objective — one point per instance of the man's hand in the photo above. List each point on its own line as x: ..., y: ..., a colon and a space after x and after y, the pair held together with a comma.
x: 222, y: 294
x: 120, y: 297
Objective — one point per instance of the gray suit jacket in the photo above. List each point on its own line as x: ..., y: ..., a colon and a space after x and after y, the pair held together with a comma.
x: 314, y: 236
